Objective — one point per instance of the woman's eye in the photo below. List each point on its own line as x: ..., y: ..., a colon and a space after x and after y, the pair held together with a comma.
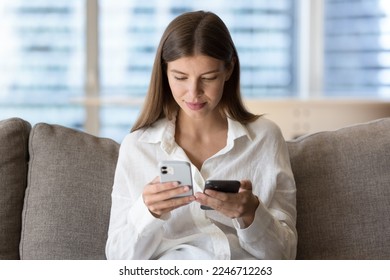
x: 210, y: 78
x: 180, y: 78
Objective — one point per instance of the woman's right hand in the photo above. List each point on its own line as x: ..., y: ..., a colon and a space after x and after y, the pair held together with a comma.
x: 160, y: 198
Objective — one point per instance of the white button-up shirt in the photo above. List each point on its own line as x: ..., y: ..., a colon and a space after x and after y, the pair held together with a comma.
x: 256, y: 151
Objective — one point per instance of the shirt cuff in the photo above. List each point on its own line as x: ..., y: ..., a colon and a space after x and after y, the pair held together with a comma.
x: 259, y: 226
x: 238, y: 223
x: 142, y: 220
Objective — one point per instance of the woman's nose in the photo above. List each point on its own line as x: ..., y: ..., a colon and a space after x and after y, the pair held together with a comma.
x: 195, y: 88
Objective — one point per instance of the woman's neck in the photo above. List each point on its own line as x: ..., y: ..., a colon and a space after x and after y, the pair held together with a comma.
x: 200, y: 127
x: 201, y: 138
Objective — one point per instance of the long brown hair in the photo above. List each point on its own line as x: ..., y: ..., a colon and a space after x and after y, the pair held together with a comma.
x: 189, y: 34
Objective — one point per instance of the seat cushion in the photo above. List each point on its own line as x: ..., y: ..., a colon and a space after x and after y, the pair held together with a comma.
x: 13, y: 180
x: 68, y: 197
x: 343, y: 192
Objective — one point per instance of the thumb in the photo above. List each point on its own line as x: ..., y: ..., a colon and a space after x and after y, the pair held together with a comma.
x: 246, y: 185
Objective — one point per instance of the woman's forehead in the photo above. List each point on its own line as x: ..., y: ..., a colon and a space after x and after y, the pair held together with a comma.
x: 198, y: 63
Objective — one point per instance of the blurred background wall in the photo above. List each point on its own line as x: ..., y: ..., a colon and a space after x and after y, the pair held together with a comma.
x: 309, y: 65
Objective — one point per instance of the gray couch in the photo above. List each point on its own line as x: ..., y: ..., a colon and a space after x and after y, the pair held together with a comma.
x: 55, y: 186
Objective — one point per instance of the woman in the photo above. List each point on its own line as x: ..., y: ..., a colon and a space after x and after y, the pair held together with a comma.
x: 193, y: 112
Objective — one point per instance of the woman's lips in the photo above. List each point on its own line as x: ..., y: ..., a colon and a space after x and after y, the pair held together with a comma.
x: 195, y: 106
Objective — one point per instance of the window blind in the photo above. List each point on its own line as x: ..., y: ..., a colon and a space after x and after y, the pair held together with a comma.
x: 357, y: 48
x: 42, y: 60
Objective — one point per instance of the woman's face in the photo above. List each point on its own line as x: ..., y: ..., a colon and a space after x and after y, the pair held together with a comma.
x: 197, y: 84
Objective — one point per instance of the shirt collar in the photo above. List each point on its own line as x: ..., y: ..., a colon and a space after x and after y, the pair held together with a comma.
x: 237, y: 130
x: 163, y: 131
x: 158, y: 131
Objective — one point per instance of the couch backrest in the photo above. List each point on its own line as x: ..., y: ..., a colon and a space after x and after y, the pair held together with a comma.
x: 13, y: 173
x: 68, y: 197
x: 343, y: 192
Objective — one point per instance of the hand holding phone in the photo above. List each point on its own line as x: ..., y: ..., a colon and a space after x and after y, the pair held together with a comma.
x: 177, y: 171
x: 227, y: 186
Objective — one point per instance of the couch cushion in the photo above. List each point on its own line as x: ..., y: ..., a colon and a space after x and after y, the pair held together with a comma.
x: 68, y: 198
x: 343, y: 192
x: 13, y: 180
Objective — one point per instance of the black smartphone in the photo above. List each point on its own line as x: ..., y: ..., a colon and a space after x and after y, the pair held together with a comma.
x: 228, y: 186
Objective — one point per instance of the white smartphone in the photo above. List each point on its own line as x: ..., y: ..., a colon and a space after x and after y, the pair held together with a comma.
x: 177, y: 171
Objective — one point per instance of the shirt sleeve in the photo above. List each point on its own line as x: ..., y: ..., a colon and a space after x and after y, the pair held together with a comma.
x: 272, y: 235
x: 134, y: 233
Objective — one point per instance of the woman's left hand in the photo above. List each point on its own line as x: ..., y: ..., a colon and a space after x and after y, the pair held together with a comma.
x: 233, y: 205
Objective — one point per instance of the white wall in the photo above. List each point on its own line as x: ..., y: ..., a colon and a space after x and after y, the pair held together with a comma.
x: 299, y: 117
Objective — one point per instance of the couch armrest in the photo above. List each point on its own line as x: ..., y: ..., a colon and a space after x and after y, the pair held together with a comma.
x: 343, y: 192
x: 13, y: 181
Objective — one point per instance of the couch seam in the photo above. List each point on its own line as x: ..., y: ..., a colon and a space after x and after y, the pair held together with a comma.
x: 27, y: 192
x: 26, y: 138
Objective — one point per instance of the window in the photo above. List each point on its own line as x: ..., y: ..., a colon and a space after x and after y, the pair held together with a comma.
x: 357, y: 48
x: 263, y: 32
x: 48, y: 62
x: 42, y: 60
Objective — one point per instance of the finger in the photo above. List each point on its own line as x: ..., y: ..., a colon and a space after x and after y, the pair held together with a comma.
x: 246, y: 185
x: 166, y: 206
x: 163, y: 194
x: 154, y: 188
x: 221, y: 202
x: 204, y: 199
x: 151, y: 187
x: 156, y: 180
x: 232, y: 205
x: 223, y: 196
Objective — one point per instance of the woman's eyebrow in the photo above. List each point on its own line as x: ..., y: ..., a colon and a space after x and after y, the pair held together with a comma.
x: 177, y: 71
x: 208, y: 72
